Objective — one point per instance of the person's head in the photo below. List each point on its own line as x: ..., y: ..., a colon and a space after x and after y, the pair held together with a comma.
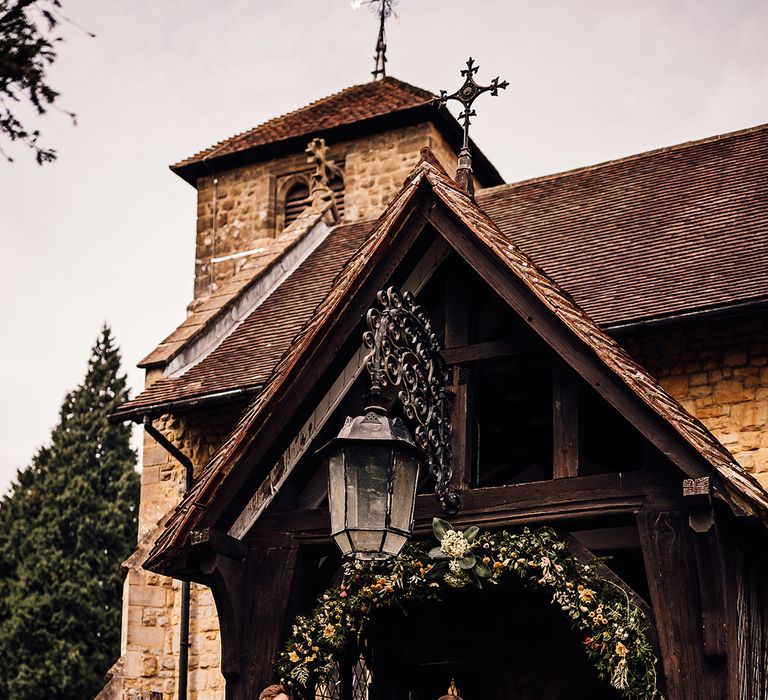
x: 275, y: 692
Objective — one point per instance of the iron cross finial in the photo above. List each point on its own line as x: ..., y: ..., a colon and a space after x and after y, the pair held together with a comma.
x: 467, y: 94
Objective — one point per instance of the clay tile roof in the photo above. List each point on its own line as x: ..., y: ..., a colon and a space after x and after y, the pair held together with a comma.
x: 271, y: 328
x: 190, y: 511
x: 675, y: 231
x: 652, y: 235
x: 210, y: 308
x: 355, y: 105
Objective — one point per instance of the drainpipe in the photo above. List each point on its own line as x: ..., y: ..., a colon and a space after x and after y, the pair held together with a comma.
x: 184, y: 645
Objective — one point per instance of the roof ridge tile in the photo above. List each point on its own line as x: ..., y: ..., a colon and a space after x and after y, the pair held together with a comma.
x: 206, y: 153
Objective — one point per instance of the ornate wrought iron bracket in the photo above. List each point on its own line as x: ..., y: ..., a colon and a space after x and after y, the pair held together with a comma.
x: 405, y: 354
x: 467, y: 94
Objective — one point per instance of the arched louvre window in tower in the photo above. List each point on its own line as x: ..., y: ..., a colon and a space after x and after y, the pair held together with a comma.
x: 337, y: 187
x: 296, y: 200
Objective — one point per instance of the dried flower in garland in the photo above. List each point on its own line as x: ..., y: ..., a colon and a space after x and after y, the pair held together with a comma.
x: 616, y: 631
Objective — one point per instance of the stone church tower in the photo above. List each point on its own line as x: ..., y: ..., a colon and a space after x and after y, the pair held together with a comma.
x: 254, y: 214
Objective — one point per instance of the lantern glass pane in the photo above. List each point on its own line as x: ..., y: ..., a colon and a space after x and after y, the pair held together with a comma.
x: 366, y: 541
x: 367, y: 486
x: 336, y: 490
x: 406, y: 472
x: 344, y: 544
x: 394, y: 543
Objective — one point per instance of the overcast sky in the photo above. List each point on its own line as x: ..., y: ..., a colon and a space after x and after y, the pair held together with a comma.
x: 107, y: 232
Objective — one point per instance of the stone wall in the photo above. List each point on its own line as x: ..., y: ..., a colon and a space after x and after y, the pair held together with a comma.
x: 147, y: 669
x: 246, y: 199
x: 718, y: 370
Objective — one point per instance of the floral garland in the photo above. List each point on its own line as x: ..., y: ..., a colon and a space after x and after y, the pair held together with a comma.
x: 616, y: 630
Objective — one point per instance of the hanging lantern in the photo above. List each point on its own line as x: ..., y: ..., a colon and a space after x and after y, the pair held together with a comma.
x: 373, y: 467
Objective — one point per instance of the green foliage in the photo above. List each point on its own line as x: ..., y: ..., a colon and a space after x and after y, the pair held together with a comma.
x: 67, y: 524
x: 27, y: 49
x: 617, y: 631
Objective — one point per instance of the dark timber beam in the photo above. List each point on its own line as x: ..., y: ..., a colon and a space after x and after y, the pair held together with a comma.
x: 584, y: 497
x: 565, y: 421
x: 457, y: 336
x: 493, y: 349
x: 255, y: 604
x: 672, y: 574
x: 218, y: 542
x: 710, y: 555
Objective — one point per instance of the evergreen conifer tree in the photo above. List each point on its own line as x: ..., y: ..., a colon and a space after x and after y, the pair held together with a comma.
x: 68, y: 522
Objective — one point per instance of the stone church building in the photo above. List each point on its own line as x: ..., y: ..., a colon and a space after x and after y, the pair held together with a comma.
x: 655, y: 267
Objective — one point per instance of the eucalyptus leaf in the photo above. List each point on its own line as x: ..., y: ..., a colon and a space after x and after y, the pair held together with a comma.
x: 468, y: 562
x: 470, y: 533
x: 440, y: 527
x: 437, y: 553
x: 482, y: 570
x: 437, y: 571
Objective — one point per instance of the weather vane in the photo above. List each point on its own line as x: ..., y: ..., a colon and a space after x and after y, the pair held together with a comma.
x: 467, y: 94
x: 384, y: 9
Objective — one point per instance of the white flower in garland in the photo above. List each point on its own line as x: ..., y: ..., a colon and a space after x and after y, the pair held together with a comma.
x: 455, y: 568
x: 454, y: 544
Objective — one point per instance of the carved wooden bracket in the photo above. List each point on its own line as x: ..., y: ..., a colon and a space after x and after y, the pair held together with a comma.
x: 219, y: 543
x: 709, y: 562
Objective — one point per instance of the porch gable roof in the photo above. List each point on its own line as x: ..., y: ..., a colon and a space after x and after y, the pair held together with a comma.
x: 481, y: 232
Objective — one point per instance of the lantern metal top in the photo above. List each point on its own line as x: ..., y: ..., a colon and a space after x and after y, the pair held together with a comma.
x: 374, y: 424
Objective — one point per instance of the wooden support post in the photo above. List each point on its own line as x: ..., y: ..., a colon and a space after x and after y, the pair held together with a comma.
x: 255, y: 601
x: 457, y: 335
x: 709, y: 562
x: 461, y: 438
x: 565, y: 421
x: 670, y: 565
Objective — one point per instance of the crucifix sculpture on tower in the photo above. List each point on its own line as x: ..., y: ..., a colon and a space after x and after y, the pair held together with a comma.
x: 467, y: 94
x: 325, y: 171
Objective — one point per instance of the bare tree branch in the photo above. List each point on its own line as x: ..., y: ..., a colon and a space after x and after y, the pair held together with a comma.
x: 28, y: 41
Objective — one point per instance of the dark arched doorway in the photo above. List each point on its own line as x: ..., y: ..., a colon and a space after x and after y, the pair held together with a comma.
x: 501, y: 643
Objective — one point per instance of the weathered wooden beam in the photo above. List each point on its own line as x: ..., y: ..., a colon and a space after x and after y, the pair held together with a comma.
x: 670, y: 565
x: 274, y: 575
x: 565, y: 422
x: 255, y: 603
x: 219, y: 542
x: 463, y: 354
x: 461, y: 423
x: 298, y: 446
x: 584, y: 497
x: 584, y: 555
x: 457, y: 336
x: 456, y: 313
x: 710, y: 554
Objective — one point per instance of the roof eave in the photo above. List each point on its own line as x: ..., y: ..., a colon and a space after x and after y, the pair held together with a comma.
x: 484, y: 170
x: 189, y: 403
